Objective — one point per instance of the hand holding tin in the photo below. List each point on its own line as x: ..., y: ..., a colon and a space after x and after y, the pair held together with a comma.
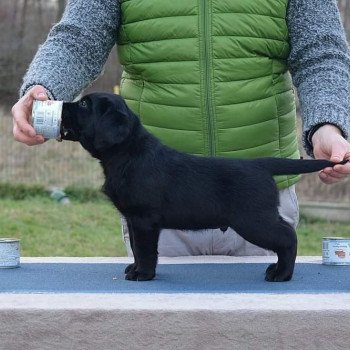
x: 46, y: 118
x: 21, y: 112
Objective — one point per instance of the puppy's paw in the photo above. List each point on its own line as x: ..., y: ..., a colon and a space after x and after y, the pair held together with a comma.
x: 272, y: 274
x: 131, y: 267
x: 134, y: 275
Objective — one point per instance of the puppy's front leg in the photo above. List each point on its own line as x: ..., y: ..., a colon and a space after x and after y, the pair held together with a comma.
x: 131, y: 267
x: 144, y: 234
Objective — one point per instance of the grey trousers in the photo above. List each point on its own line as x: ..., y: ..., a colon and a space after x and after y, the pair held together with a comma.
x: 216, y: 242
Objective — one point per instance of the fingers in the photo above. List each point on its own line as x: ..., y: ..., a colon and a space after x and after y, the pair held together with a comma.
x: 335, y: 174
x: 330, y: 144
x: 327, y: 179
x: 21, y: 117
x: 339, y: 151
x: 28, y: 140
x: 21, y: 112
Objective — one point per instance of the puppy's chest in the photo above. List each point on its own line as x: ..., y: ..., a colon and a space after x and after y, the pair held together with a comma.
x: 117, y: 193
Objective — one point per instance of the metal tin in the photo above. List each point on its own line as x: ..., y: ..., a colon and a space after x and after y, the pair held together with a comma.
x: 336, y: 251
x: 46, y: 118
x: 9, y: 253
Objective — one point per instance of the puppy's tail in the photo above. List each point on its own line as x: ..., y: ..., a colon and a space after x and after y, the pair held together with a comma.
x: 285, y: 166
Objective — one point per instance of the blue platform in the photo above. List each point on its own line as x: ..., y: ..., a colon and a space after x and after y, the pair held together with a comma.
x: 194, y: 303
x: 171, y: 278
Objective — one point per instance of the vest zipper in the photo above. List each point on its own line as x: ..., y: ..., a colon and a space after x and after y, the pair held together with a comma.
x: 207, y: 64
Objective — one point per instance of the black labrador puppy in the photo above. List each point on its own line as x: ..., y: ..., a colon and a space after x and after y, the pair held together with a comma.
x: 156, y: 187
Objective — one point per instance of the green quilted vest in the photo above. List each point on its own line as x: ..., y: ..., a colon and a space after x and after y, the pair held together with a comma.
x: 209, y: 77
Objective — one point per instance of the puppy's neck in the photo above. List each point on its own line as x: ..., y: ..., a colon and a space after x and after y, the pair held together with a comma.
x: 138, y: 143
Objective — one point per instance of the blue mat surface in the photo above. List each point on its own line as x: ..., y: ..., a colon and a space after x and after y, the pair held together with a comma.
x: 171, y: 278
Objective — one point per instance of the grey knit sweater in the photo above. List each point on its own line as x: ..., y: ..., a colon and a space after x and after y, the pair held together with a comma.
x: 78, y: 46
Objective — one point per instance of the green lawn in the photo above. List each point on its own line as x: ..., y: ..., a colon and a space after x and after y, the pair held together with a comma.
x: 47, y: 228
x: 93, y: 228
x: 311, y: 231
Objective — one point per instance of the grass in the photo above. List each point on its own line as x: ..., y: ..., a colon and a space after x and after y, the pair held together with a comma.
x: 47, y: 228
x: 24, y: 191
x: 92, y: 228
x: 311, y: 231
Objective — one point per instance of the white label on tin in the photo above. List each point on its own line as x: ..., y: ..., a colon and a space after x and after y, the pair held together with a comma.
x: 336, y: 252
x: 46, y: 118
x: 9, y: 254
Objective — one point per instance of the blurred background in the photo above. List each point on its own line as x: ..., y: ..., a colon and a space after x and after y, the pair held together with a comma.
x: 89, y: 226
x: 24, y: 25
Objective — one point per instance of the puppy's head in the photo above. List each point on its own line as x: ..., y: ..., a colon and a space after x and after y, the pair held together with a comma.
x: 99, y: 121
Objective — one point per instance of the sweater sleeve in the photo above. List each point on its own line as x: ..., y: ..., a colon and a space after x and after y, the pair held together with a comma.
x: 75, y: 50
x: 319, y: 62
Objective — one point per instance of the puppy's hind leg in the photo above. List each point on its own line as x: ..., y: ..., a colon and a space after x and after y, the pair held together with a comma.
x: 286, y: 252
x: 144, y: 242
x: 271, y: 232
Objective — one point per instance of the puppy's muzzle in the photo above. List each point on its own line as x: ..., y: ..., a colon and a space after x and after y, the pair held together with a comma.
x: 69, y: 130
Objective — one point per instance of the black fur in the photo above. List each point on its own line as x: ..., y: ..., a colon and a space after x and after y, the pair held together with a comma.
x: 155, y: 187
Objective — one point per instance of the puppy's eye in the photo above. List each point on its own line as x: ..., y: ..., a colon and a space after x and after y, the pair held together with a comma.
x: 83, y: 104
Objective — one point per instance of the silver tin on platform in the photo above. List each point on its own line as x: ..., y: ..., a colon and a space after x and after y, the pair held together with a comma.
x: 9, y: 253
x: 336, y: 251
x: 46, y: 118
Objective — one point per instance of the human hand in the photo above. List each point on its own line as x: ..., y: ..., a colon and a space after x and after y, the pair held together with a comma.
x: 328, y: 143
x: 21, y: 112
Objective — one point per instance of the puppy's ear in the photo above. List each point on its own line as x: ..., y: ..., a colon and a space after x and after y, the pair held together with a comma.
x: 111, y: 129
